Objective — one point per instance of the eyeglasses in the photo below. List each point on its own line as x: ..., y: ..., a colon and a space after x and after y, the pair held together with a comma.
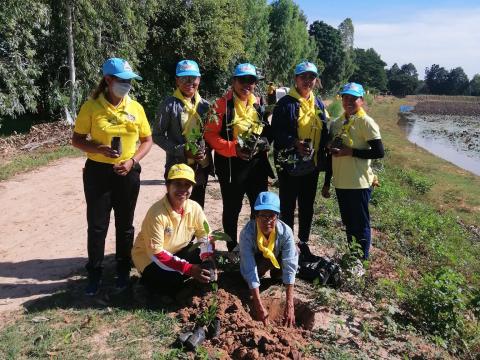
x: 246, y: 79
x: 267, y: 217
x: 307, y: 76
x: 188, y: 79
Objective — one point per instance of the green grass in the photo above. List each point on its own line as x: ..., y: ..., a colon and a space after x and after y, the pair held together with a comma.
x: 87, y: 333
x: 27, y: 162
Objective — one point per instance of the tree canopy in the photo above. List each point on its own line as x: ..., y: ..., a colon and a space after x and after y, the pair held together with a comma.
x: 51, y: 51
x: 330, y: 51
x: 369, y: 70
x: 402, y: 81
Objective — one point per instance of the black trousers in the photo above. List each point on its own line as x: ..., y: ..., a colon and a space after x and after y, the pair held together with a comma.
x: 160, y: 281
x: 301, y: 188
x: 104, y: 191
x: 232, y: 198
x: 198, y: 194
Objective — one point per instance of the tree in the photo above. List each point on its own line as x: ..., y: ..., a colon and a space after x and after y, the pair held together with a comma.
x: 369, y: 69
x: 256, y: 31
x: 457, y: 82
x: 22, y: 29
x: 347, y: 34
x: 207, y: 31
x: 330, y: 51
x: 436, y: 79
x: 475, y: 85
x: 100, y: 29
x: 290, y: 42
x: 402, y: 81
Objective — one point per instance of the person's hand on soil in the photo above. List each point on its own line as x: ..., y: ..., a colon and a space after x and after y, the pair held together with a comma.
x: 107, y: 151
x: 242, y: 154
x: 124, y: 167
x: 289, y: 315
x: 301, y: 148
x: 200, y: 274
x: 260, y: 313
x: 344, y: 151
x: 326, y: 191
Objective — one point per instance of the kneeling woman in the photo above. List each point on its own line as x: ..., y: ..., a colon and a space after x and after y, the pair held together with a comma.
x: 267, y: 243
x: 161, y: 252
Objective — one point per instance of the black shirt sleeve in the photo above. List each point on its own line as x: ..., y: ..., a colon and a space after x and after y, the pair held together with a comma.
x: 376, y: 150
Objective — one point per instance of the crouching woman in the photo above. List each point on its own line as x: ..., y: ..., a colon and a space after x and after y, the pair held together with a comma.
x: 161, y: 252
x: 267, y: 243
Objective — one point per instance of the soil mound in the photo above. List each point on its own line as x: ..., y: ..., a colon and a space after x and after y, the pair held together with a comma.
x: 241, y: 337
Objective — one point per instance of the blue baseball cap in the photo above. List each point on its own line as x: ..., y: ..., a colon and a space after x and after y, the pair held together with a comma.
x: 246, y: 69
x: 267, y: 200
x: 306, y: 66
x: 353, y: 89
x: 119, y: 68
x: 187, y: 68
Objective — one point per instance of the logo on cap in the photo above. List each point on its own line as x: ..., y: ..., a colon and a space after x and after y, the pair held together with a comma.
x: 126, y: 66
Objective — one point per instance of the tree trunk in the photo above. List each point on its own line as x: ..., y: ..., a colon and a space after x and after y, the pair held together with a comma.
x: 71, y: 59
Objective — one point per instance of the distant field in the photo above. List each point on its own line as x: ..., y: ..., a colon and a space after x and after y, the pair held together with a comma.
x: 470, y: 99
x: 464, y: 108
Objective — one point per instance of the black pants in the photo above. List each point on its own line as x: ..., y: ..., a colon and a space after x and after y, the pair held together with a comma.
x: 232, y: 197
x: 198, y: 194
x: 160, y: 281
x: 105, y: 190
x: 303, y: 188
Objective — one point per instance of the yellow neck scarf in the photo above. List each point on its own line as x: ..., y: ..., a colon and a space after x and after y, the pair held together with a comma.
x: 267, y: 251
x: 309, y: 123
x: 347, y: 124
x: 191, y: 119
x: 246, y: 117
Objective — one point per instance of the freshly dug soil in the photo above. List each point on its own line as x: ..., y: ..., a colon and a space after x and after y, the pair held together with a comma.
x: 241, y: 337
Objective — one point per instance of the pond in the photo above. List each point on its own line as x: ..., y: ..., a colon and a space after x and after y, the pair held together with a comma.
x: 451, y: 137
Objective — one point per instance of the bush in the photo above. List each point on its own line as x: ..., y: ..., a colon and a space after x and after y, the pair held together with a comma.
x: 440, y: 303
x: 419, y: 183
x: 335, y: 109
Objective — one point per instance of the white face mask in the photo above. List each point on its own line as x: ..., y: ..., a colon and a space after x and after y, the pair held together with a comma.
x: 121, y: 89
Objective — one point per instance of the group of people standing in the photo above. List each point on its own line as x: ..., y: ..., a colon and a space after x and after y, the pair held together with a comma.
x: 239, y: 132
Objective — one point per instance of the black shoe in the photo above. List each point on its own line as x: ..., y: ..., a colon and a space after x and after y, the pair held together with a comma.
x: 93, y: 287
x: 122, y: 281
x: 305, y: 253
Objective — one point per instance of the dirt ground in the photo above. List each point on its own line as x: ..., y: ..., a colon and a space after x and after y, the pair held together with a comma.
x: 43, y: 225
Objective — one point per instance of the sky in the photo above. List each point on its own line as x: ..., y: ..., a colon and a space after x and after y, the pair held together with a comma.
x: 442, y: 32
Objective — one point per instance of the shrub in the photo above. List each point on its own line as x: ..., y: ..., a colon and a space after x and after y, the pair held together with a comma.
x: 440, y: 302
x: 335, y: 109
x: 419, y: 183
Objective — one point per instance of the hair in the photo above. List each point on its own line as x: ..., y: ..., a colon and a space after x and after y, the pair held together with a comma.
x: 102, y: 85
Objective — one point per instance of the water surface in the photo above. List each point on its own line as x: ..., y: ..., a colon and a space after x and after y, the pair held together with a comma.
x: 453, y: 138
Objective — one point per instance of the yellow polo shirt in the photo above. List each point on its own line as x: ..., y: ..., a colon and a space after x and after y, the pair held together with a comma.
x: 351, y: 172
x: 165, y: 229
x: 102, y: 121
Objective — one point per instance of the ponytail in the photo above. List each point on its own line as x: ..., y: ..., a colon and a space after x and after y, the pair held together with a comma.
x: 102, y: 85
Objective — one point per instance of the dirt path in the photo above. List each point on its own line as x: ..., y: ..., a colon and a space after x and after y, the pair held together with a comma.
x: 43, y: 225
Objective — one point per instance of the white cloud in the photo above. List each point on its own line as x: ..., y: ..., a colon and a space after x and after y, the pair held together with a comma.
x: 450, y: 38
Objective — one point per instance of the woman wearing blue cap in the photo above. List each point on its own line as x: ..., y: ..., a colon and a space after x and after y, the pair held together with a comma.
x: 356, y: 140
x: 239, y: 139
x: 267, y: 243
x: 113, y: 123
x: 300, y: 136
x: 179, y: 118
